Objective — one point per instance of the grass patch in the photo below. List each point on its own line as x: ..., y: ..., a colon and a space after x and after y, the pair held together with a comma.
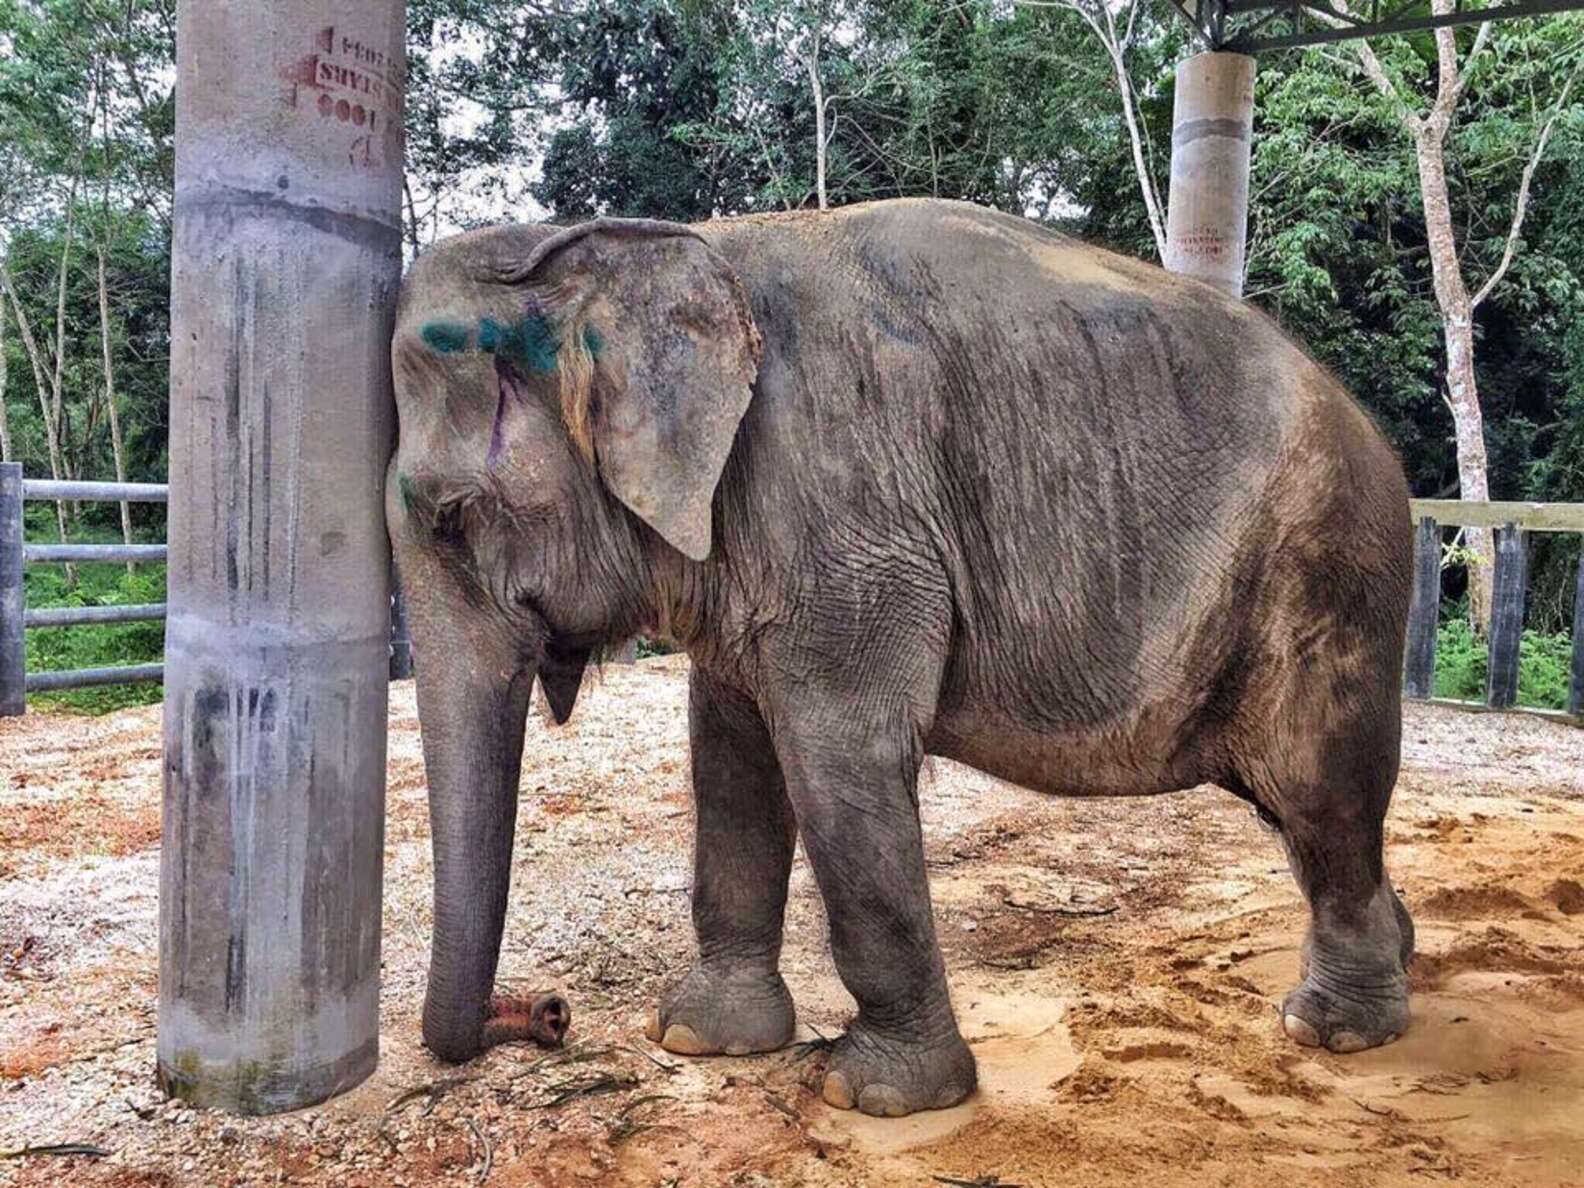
x: 93, y: 645
x: 1543, y: 666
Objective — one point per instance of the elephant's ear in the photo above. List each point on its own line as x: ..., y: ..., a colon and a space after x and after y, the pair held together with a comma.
x: 657, y: 355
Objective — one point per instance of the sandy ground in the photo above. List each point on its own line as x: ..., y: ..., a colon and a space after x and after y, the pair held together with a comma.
x: 1135, y: 1047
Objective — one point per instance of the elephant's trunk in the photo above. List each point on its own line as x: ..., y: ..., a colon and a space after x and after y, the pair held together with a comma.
x: 472, y: 707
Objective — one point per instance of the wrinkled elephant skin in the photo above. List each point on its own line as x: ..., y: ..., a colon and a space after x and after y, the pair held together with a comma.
x: 907, y: 478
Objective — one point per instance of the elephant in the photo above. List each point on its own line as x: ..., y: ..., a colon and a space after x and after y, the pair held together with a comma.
x: 906, y: 478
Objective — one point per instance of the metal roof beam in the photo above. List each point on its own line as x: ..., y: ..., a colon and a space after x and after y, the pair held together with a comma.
x: 1234, y: 24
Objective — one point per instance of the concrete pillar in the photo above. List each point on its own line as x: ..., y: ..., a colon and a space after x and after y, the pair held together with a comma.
x: 286, y: 259
x: 1207, y: 206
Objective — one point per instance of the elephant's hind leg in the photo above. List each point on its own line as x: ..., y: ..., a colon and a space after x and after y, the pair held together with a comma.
x: 1326, y: 777
x: 733, y: 1001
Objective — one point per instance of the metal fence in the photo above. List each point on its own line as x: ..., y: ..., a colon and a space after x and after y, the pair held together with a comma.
x: 15, y: 617
x: 1512, y: 524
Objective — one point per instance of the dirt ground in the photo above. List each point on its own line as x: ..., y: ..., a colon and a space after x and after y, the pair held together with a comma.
x: 1116, y: 965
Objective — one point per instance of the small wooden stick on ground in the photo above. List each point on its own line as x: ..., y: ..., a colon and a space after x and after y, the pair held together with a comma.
x: 541, y: 1017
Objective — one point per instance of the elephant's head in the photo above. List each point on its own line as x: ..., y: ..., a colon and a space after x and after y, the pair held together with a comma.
x: 567, y: 402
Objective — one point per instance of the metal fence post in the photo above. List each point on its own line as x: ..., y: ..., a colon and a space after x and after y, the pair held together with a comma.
x: 1424, y: 613
x: 401, y: 661
x: 1506, y: 625
x: 13, y: 639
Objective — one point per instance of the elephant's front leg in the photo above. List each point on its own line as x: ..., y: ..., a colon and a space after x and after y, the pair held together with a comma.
x: 854, y: 786
x: 733, y: 1000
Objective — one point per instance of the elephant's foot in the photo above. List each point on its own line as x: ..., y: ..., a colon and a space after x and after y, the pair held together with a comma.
x: 1327, y: 1012
x: 1354, y: 992
x: 713, y: 1012
x: 889, y: 1077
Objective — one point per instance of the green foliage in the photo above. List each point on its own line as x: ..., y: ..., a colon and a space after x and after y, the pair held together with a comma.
x: 138, y: 281
x: 649, y: 645
x: 98, y: 644
x: 1543, y: 665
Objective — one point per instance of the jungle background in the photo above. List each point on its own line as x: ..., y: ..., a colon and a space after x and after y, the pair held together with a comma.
x: 686, y: 109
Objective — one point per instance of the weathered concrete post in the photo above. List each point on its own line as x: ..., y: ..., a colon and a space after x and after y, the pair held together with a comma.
x: 285, y: 265
x: 1207, y: 206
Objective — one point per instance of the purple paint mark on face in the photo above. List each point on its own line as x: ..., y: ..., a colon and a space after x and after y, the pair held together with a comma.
x: 509, y: 384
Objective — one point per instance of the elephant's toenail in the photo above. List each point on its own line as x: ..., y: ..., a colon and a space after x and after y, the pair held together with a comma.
x: 1301, y: 1031
x: 1347, y: 1041
x: 684, y: 1041
x: 950, y: 1096
x: 837, y: 1091
x: 652, y: 1030
x: 738, y: 1049
x: 882, y: 1101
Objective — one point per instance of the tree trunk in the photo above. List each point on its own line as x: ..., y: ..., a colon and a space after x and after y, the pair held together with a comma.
x: 110, y: 404
x: 30, y: 345
x: 812, y: 62
x: 1141, y: 168
x: 5, y: 426
x: 413, y: 239
x: 57, y: 386
x: 1457, y: 314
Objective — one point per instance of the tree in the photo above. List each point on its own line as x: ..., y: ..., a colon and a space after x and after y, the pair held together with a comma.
x: 478, y: 73
x: 86, y: 107
x: 1118, y: 29
x: 1451, y: 265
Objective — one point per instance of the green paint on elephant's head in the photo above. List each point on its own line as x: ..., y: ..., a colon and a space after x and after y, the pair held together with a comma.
x: 530, y: 343
x: 446, y: 337
x: 404, y: 485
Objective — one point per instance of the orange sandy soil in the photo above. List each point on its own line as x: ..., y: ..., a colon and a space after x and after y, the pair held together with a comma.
x: 1135, y: 1047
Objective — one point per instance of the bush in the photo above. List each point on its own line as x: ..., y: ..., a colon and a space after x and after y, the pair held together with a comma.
x: 96, y: 644
x: 1543, y: 666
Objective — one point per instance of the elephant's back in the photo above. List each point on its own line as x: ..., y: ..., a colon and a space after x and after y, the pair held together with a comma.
x: 977, y: 287
x: 1082, y: 440
x: 1029, y: 354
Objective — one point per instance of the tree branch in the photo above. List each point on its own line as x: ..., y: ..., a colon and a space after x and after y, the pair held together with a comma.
x: 1376, y: 73
x: 1092, y: 12
x: 1521, y: 202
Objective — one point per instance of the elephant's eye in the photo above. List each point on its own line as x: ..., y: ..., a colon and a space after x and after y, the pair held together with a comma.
x: 448, y: 526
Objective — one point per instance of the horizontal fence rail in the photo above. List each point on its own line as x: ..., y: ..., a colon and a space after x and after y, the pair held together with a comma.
x: 95, y: 492
x: 1531, y: 517
x: 35, y: 554
x: 85, y: 678
x: 15, y: 617
x: 76, y: 616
